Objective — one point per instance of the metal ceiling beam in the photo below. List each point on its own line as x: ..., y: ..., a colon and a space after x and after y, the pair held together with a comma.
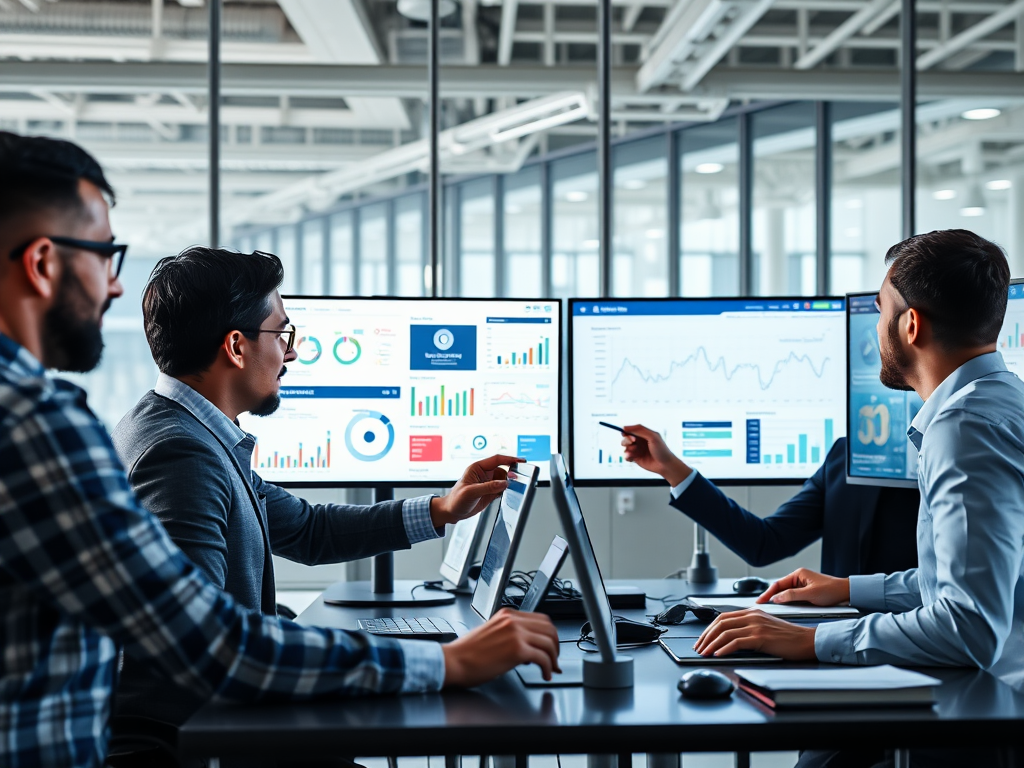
x: 982, y: 29
x: 509, y: 13
x: 841, y: 34
x: 493, y: 81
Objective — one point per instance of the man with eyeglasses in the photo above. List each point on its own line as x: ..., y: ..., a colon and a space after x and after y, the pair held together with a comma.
x: 222, y: 340
x: 85, y: 571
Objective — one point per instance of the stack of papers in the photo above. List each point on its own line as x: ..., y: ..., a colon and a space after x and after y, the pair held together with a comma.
x: 848, y: 687
x: 782, y: 610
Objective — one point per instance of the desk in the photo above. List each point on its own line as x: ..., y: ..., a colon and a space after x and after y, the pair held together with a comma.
x: 504, y: 717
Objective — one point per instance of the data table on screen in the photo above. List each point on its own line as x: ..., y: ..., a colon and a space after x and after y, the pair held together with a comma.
x: 408, y: 391
x: 741, y: 389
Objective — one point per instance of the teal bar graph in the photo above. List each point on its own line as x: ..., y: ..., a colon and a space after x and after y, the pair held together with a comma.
x: 708, y: 453
x: 791, y: 453
x: 778, y: 458
x: 815, y: 454
x: 767, y: 459
x: 828, y: 434
x: 803, y: 449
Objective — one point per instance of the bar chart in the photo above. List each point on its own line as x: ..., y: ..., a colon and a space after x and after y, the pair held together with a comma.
x: 446, y: 401
x: 305, y: 456
x: 528, y: 355
x: 789, y: 441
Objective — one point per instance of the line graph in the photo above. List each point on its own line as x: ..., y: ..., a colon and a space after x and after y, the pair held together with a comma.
x: 510, y: 401
x: 719, y: 365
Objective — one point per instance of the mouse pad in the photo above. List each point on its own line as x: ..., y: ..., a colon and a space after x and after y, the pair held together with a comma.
x: 572, y: 674
x: 681, y: 651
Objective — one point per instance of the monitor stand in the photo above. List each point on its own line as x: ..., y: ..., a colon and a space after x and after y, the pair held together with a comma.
x: 701, y: 571
x: 382, y: 591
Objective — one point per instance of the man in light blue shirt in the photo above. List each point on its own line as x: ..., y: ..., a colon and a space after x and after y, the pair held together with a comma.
x: 941, y: 306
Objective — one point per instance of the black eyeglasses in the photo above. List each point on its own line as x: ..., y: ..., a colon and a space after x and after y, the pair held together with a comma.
x: 113, y: 251
x: 288, y: 334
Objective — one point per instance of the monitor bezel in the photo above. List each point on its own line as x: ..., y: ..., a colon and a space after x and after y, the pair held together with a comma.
x: 879, y: 482
x: 655, y: 481
x: 459, y: 577
x: 513, y: 546
x: 435, y: 483
x: 599, y: 612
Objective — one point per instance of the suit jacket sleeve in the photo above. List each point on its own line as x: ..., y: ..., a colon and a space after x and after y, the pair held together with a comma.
x: 185, y: 484
x: 330, y: 533
x: 758, y: 541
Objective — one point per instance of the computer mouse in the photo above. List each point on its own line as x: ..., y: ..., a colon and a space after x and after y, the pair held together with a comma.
x: 706, y: 685
x: 750, y: 585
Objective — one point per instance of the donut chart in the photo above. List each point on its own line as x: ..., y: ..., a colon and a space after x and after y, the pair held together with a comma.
x: 369, y: 436
x: 308, y: 349
x: 347, y: 350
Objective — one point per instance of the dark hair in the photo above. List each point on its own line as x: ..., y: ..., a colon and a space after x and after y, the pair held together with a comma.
x: 193, y: 299
x: 40, y: 173
x: 957, y: 279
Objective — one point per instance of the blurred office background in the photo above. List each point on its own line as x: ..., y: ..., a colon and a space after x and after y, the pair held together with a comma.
x: 755, y: 151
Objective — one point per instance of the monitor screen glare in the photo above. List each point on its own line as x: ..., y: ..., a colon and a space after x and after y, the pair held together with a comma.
x: 878, y: 451
x: 407, y: 392
x: 742, y: 389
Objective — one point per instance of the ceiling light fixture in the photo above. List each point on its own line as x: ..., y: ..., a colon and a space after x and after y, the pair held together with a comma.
x: 709, y: 168
x: 419, y: 10
x: 591, y: 244
x: 634, y: 184
x: 997, y: 185
x: 983, y: 113
x: 576, y: 197
x: 944, y: 194
x: 974, y: 204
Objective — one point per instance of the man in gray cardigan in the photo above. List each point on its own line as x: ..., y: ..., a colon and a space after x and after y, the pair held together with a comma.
x: 219, y: 334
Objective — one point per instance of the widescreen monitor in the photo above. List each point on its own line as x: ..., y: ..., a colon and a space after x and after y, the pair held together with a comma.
x: 745, y: 390
x: 408, y: 392
x: 1011, y: 337
x: 878, y: 451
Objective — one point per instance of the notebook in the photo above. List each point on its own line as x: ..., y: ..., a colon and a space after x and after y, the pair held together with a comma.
x: 782, y: 610
x: 884, y: 685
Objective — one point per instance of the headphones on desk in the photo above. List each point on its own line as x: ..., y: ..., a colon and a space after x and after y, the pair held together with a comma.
x: 628, y: 634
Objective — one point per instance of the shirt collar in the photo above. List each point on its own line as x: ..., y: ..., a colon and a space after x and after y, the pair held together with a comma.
x: 20, y: 360
x: 227, y: 431
x: 972, y: 370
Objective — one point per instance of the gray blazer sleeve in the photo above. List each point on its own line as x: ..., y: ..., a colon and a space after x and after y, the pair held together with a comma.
x: 330, y: 533
x: 185, y: 484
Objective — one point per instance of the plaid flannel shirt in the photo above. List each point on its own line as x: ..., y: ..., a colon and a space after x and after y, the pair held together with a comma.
x: 84, y: 570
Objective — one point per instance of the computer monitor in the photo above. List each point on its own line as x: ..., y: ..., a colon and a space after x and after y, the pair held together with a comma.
x: 745, y: 390
x: 408, y: 392
x: 878, y: 451
x: 462, y: 545
x: 581, y: 550
x: 506, y: 534
x: 1011, y: 336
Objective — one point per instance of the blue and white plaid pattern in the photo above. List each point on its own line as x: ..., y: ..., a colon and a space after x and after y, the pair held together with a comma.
x: 84, y: 570
x: 415, y: 512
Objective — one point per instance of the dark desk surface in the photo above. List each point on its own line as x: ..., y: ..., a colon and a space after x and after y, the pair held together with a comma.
x: 505, y: 717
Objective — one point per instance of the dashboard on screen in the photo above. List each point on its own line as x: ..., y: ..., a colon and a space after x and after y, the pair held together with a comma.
x: 410, y: 391
x: 743, y: 389
x: 878, y: 451
x: 1011, y: 336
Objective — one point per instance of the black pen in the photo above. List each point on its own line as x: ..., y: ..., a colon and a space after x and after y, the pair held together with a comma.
x: 618, y: 429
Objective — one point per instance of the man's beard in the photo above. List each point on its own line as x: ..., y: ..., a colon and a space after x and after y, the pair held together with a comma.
x: 895, y: 361
x: 72, y: 340
x: 271, y: 403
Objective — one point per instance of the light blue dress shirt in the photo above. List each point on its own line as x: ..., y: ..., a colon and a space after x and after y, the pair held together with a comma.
x: 964, y: 604
x: 424, y: 661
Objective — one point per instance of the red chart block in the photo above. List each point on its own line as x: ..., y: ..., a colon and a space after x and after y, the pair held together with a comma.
x: 425, y: 448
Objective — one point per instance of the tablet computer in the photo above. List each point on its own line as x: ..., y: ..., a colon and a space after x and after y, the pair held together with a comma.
x: 505, y: 537
x: 465, y: 540
x: 681, y: 651
x: 545, y: 574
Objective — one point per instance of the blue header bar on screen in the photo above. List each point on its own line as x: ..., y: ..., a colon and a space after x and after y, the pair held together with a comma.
x: 1016, y: 292
x: 863, y: 305
x: 704, y: 307
x: 343, y: 393
x: 531, y: 320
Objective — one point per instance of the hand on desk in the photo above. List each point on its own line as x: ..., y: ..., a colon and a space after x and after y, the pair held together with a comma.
x: 509, y: 639
x: 806, y: 586
x: 755, y: 630
x: 481, y: 483
x: 648, y: 451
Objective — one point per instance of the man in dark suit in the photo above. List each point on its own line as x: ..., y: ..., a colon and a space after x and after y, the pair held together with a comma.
x: 863, y: 529
x: 220, y: 336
